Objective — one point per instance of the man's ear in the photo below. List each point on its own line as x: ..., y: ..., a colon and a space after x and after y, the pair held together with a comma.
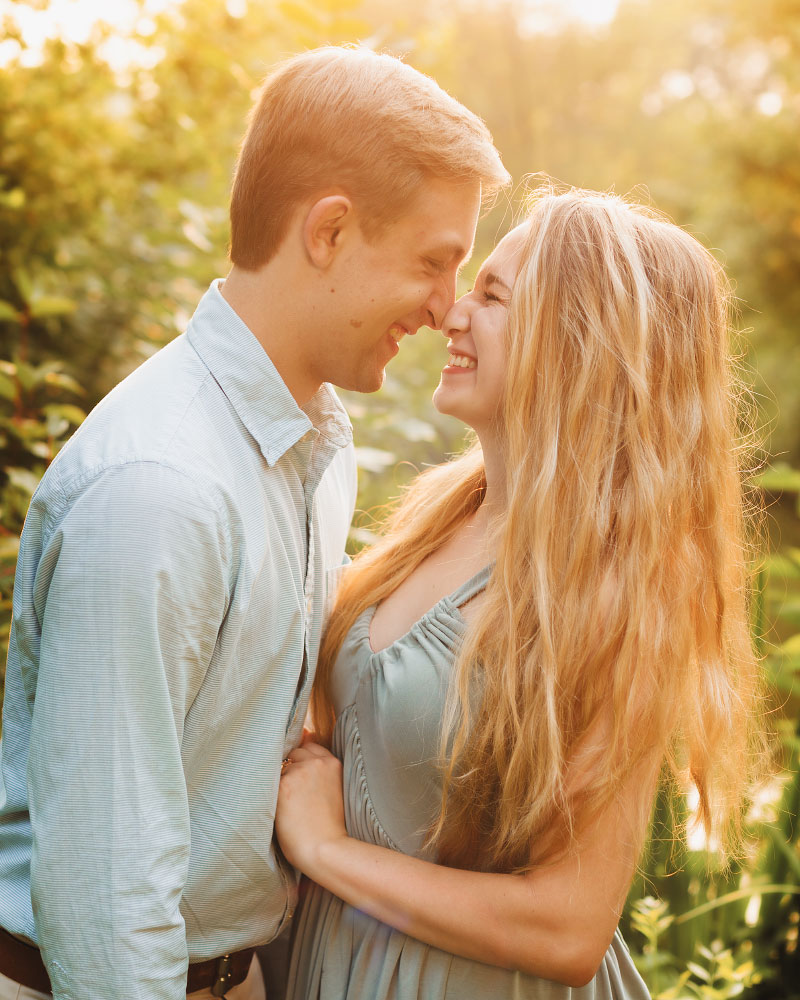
x: 324, y: 228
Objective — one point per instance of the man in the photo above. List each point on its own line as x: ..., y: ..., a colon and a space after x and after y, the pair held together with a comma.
x: 179, y: 555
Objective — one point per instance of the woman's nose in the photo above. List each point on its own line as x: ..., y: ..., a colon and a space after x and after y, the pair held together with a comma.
x: 457, y: 317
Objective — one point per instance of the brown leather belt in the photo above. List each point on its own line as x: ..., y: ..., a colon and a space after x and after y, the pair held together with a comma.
x: 23, y: 964
x: 220, y: 974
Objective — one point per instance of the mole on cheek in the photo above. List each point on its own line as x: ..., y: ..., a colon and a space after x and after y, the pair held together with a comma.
x: 333, y: 290
x: 356, y: 322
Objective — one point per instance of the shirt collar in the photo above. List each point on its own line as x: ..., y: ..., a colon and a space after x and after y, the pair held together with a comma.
x: 247, y: 376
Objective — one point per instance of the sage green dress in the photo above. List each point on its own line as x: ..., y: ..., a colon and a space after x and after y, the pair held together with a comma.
x: 388, y: 708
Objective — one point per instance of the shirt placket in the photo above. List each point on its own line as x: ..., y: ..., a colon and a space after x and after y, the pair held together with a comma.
x: 310, y: 481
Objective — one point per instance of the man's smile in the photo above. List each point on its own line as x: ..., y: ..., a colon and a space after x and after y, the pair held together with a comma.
x: 397, y: 332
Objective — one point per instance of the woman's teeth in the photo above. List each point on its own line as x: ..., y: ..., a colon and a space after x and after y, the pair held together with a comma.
x: 398, y: 332
x: 461, y: 361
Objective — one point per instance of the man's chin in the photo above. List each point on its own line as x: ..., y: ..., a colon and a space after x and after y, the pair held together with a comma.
x: 361, y: 383
x: 365, y: 382
x: 373, y: 385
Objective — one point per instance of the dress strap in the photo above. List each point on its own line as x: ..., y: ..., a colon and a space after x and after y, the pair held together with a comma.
x: 471, y: 587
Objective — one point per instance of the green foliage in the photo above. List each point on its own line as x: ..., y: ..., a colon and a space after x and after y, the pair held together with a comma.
x: 113, y: 193
x: 697, y: 931
x: 36, y: 418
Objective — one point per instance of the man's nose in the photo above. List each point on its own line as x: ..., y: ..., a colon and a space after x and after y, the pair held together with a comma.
x: 441, y: 300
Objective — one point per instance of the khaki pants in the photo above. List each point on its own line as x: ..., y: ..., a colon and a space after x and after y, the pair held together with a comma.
x: 251, y: 989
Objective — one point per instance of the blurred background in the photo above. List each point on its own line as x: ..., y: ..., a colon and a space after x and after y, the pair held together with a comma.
x: 119, y: 126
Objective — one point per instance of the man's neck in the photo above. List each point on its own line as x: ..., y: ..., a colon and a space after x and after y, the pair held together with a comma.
x: 262, y: 309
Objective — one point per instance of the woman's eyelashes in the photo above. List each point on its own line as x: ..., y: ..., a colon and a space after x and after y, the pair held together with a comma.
x: 486, y: 294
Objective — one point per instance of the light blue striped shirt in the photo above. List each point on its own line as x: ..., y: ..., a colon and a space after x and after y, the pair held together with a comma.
x: 173, y: 576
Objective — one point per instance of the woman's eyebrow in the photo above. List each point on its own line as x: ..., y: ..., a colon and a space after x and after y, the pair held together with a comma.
x: 490, y: 278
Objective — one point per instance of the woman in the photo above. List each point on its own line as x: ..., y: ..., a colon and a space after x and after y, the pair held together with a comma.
x: 547, y: 621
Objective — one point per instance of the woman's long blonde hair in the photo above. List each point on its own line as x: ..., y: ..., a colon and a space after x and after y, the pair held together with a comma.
x: 619, y: 599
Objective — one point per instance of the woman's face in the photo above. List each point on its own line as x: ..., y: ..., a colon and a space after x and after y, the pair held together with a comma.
x: 472, y: 383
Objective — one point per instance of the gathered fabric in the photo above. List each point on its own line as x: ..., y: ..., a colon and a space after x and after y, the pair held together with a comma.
x: 389, y: 708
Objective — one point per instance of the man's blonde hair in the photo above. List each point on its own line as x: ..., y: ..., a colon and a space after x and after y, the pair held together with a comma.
x: 357, y: 120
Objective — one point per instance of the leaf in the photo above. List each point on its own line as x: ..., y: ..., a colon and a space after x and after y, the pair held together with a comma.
x: 13, y: 199
x: 74, y: 415
x: 23, y: 282
x: 26, y: 375
x: 23, y: 479
x: 782, y: 680
x: 784, y: 565
x: 52, y: 305
x: 790, y: 613
x: 792, y: 646
x: 698, y: 971
x: 63, y: 381
x: 8, y: 314
x: 788, y: 851
x: 8, y: 387
x: 41, y: 449
x: 779, y: 478
x: 654, y: 960
x: 9, y: 547
x: 733, y: 897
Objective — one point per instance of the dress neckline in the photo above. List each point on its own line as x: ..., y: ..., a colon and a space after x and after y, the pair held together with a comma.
x: 450, y: 603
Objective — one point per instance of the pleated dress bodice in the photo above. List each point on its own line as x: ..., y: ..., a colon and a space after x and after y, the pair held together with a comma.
x: 388, y: 707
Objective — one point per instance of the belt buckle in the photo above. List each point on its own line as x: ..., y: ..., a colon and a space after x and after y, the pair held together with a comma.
x: 222, y: 976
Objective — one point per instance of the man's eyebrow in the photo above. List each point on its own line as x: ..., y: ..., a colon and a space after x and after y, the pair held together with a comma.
x: 448, y: 252
x: 490, y: 278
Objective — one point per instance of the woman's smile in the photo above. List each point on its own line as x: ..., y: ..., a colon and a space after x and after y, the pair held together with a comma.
x: 459, y: 363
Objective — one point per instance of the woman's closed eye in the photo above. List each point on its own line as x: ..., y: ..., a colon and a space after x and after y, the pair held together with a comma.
x: 487, y: 295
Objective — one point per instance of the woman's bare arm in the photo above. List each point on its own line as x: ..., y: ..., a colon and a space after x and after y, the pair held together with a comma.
x: 555, y: 922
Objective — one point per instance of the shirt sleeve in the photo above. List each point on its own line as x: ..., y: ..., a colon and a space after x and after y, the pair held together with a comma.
x: 131, y: 591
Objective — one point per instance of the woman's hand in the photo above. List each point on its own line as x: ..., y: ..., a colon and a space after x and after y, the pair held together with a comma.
x: 310, y: 810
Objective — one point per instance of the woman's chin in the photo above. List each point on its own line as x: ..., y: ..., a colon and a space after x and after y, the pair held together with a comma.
x: 439, y: 399
x: 444, y: 403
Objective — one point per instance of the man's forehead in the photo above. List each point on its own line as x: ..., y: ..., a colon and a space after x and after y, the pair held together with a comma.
x: 443, y: 218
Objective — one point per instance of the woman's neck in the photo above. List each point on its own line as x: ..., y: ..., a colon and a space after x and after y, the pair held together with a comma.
x: 493, y: 508
x: 495, y: 499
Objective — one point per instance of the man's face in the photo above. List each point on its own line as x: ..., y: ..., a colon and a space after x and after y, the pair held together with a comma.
x: 380, y: 290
